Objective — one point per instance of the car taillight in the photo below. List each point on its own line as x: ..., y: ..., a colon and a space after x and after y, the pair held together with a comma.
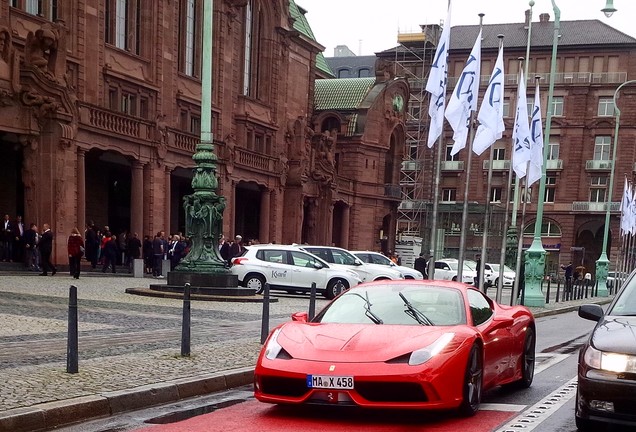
x: 237, y: 261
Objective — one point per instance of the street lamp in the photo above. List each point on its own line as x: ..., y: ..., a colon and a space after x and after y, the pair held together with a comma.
x: 609, y: 8
x: 602, y: 264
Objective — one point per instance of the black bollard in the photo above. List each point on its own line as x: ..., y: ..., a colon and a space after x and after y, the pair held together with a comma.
x: 558, y: 283
x: 312, y: 301
x: 72, y: 345
x: 265, y: 320
x: 185, y: 326
x: 547, y: 293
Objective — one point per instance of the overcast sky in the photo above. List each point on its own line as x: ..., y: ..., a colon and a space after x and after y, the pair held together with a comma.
x: 369, y: 26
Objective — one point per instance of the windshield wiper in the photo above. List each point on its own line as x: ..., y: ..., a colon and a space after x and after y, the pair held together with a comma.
x: 415, y: 313
x: 367, y: 306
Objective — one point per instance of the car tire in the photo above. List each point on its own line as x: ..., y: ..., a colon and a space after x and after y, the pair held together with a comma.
x: 255, y: 281
x: 497, y: 282
x: 454, y: 279
x: 473, y: 382
x: 527, y: 361
x: 586, y: 425
x: 335, y: 287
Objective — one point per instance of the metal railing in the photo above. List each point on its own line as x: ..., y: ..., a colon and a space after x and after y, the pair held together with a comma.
x: 600, y: 165
x: 587, y: 206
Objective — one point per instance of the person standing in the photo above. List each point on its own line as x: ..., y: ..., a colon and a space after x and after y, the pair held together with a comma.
x: 6, y: 240
x: 110, y: 254
x: 134, y: 247
x: 46, y: 248
x: 75, y: 251
x: 92, y: 244
x: 478, y: 275
x: 236, y: 249
x: 157, y: 253
x: 31, y: 238
x: 420, y: 265
x: 18, y: 240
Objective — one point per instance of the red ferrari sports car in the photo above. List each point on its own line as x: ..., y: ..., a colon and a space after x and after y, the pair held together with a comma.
x: 407, y: 344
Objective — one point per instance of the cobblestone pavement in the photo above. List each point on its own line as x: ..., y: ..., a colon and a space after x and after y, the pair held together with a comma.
x: 125, y: 341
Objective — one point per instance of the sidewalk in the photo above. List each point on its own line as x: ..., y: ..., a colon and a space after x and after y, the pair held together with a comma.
x: 129, y: 348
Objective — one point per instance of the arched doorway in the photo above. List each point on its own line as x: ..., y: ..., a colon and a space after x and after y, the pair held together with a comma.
x: 108, y: 181
x: 11, y: 162
x: 247, y: 211
x: 589, y: 244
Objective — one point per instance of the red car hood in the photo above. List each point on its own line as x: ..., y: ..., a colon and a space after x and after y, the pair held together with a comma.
x: 356, y: 342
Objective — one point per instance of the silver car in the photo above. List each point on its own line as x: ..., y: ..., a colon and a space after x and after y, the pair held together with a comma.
x: 370, y: 257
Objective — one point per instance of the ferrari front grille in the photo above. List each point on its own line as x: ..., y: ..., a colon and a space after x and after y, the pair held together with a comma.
x: 391, y: 391
x: 291, y: 387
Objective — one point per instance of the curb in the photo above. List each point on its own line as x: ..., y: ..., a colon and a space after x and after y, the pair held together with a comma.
x: 52, y: 415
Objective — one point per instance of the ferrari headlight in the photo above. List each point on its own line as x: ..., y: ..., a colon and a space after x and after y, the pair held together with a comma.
x: 273, y: 348
x: 425, y: 354
x: 619, y: 363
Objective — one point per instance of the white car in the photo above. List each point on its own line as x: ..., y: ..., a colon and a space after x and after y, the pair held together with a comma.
x: 370, y: 257
x: 290, y: 269
x: 339, y: 257
x: 508, y: 275
x: 446, y: 269
x: 487, y: 271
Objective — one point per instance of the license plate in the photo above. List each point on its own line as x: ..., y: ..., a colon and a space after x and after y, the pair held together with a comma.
x: 330, y: 382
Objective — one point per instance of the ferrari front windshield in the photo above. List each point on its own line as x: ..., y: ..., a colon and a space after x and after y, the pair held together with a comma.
x: 443, y: 306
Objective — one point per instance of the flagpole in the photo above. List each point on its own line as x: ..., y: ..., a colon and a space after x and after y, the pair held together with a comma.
x: 515, y: 287
x: 514, y: 232
x: 484, y: 235
x: 469, y: 162
x: 438, y: 164
x: 504, y: 239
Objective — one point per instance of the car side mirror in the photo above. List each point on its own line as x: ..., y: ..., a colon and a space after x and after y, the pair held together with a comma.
x: 300, y: 316
x: 592, y: 312
x: 318, y: 265
x: 358, y: 262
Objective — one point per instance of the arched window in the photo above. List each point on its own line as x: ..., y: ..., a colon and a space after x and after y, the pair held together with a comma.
x: 364, y: 73
x: 254, y: 24
x: 344, y: 73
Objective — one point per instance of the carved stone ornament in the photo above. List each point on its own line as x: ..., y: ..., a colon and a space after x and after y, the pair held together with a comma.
x: 43, y: 106
x: 45, y: 51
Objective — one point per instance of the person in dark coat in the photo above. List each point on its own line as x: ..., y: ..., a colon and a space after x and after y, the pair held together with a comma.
x: 110, y: 254
x: 237, y: 248
x: 18, y: 240
x: 31, y: 238
x: 147, y: 251
x: 92, y: 245
x: 421, y: 266
x: 134, y: 247
x: 46, y: 248
x: 6, y: 239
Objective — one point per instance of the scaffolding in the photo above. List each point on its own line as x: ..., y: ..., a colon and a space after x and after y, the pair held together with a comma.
x: 413, y: 57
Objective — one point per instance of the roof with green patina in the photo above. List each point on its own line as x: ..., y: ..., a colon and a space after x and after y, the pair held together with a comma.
x: 302, y: 25
x: 341, y: 93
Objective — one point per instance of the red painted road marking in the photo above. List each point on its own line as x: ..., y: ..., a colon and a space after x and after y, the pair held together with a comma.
x: 256, y: 416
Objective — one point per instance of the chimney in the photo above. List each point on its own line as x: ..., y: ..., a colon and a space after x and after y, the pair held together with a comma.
x: 544, y: 17
x: 528, y: 12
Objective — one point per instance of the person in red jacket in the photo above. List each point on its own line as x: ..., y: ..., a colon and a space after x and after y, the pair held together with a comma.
x: 75, y: 252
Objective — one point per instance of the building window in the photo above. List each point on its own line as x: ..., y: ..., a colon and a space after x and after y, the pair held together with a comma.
x: 449, y: 147
x: 499, y: 154
x: 343, y: 73
x: 598, y: 186
x: 364, y: 73
x: 412, y: 149
x: 195, y: 125
x: 128, y: 104
x: 253, y: 20
x: 506, y: 108
x: 550, y: 189
x: 602, y: 147
x: 557, y: 106
x: 605, y: 106
x: 449, y: 195
x: 44, y: 8
x: 190, y: 38
x: 124, y: 24
x: 553, y: 151
x: 495, y: 194
x: 548, y: 229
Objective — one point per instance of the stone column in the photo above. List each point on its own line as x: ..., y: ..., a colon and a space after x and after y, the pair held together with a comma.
x: 137, y: 199
x: 168, y: 190
x: 81, y: 190
x: 263, y: 231
x: 344, y: 230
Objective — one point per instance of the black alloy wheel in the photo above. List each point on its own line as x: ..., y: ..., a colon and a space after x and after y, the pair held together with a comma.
x: 473, y: 382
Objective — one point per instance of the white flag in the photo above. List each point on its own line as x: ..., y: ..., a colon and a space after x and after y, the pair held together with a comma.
x: 464, y: 98
x: 625, y: 210
x: 536, y: 141
x: 436, y: 84
x: 491, y: 124
x: 632, y: 212
x: 521, y: 132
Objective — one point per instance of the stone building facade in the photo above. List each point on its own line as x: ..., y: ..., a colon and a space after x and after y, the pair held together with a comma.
x: 593, y: 59
x: 100, y: 115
